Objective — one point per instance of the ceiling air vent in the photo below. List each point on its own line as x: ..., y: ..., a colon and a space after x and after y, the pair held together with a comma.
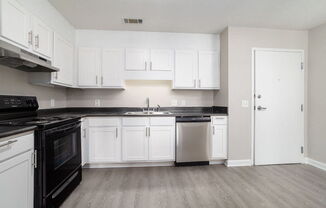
x: 132, y: 21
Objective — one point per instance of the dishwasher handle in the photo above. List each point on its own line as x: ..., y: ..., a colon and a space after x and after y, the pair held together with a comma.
x: 192, y: 119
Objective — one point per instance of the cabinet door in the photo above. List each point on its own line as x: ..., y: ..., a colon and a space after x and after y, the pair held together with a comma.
x: 15, y: 23
x: 219, y: 142
x: 134, y: 143
x: 185, y: 69
x: 16, y: 179
x: 63, y: 58
x: 137, y: 59
x: 43, y: 38
x: 112, y: 67
x: 161, y: 143
x: 161, y: 60
x: 208, y: 71
x: 88, y: 67
x: 104, y: 144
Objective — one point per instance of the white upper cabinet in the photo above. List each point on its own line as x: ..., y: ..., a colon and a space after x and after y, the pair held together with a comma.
x: 208, y: 70
x: 112, y: 68
x: 15, y: 23
x: 63, y: 58
x: 137, y: 59
x: 29, y: 32
x: 88, y: 67
x: 196, y: 70
x: 185, y: 72
x: 161, y: 60
x: 43, y: 38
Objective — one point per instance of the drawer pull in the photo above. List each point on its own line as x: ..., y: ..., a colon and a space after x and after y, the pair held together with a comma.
x: 8, y: 143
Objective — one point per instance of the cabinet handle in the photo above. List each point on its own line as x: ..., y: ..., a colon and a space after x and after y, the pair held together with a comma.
x: 150, y: 65
x: 8, y: 143
x: 56, y: 75
x: 145, y: 65
x: 199, y: 83
x: 194, y: 83
x: 84, y: 133
x: 213, y: 130
x: 116, y: 132
x: 149, y: 131
x: 37, y: 41
x: 96, y: 79
x: 30, y: 37
x: 146, y: 131
x: 101, y: 80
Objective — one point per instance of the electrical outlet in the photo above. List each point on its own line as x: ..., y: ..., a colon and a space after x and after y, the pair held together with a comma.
x: 183, y: 103
x: 97, y: 102
x: 52, y: 102
x: 245, y: 103
x: 174, y: 103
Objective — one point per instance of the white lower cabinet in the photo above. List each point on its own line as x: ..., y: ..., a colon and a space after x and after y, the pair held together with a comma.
x: 161, y: 143
x: 17, y: 172
x: 219, y: 138
x: 104, y: 140
x: 134, y: 143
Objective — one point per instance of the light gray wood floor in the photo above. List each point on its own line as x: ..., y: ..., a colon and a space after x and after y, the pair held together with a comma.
x: 299, y: 186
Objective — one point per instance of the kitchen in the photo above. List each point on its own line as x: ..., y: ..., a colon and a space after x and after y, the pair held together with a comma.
x: 130, y: 108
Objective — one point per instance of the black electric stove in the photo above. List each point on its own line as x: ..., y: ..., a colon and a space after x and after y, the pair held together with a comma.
x: 57, y: 148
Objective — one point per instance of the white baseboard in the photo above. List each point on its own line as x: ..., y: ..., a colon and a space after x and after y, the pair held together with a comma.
x: 125, y: 165
x: 217, y: 162
x: 315, y: 163
x: 238, y: 163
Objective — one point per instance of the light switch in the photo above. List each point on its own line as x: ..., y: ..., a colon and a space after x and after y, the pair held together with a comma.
x: 245, y: 103
x: 52, y: 101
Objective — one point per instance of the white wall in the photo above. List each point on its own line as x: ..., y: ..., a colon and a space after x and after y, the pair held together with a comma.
x: 317, y: 98
x: 241, y: 41
x: 135, y: 95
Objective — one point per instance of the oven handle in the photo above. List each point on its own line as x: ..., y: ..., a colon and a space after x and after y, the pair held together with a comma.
x: 64, y: 129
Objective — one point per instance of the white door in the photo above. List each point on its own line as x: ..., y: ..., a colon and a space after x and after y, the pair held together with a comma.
x: 112, y: 67
x: 219, y: 142
x: 63, y: 57
x: 134, y: 143
x: 161, y: 143
x: 43, y: 38
x: 137, y: 59
x: 15, y: 23
x: 161, y: 60
x: 16, y: 179
x: 104, y: 144
x: 208, y: 71
x: 279, y: 120
x: 88, y: 67
x: 185, y: 69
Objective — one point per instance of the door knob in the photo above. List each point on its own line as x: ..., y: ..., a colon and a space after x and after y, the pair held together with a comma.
x: 261, y: 108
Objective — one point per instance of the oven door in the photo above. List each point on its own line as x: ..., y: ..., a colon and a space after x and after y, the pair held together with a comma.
x: 62, y: 155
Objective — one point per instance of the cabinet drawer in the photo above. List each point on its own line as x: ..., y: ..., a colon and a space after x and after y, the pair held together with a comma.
x: 139, y: 121
x: 162, y: 121
x: 96, y: 122
x: 216, y: 120
x: 16, y: 145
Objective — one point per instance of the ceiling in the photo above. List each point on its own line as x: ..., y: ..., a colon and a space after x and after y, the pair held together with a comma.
x: 199, y: 16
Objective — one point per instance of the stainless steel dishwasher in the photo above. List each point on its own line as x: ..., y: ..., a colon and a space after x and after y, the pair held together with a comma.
x: 192, y: 143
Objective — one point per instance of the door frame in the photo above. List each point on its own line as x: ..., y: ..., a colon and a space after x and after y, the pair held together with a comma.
x: 253, y: 79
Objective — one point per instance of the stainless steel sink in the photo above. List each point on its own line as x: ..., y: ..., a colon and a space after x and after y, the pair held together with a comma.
x: 148, y: 113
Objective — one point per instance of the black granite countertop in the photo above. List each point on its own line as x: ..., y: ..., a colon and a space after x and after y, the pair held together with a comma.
x: 175, y: 111
x: 12, y: 130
